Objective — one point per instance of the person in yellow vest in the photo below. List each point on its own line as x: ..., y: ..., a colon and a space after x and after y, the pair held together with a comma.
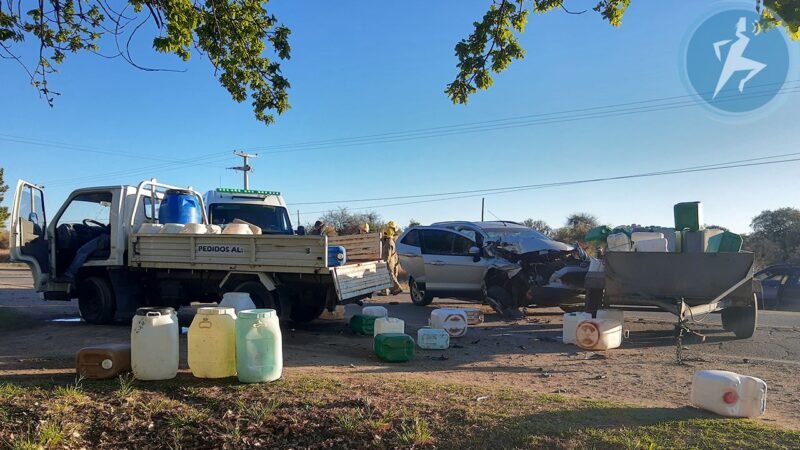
x: 389, y: 250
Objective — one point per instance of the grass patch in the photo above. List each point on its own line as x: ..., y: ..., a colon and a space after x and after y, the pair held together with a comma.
x: 364, y: 412
x: 126, y: 386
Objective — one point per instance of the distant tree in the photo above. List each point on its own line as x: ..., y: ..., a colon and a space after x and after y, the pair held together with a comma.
x: 577, y: 225
x: 539, y: 225
x: 413, y: 223
x: 346, y: 222
x: 3, y: 209
x: 778, y: 234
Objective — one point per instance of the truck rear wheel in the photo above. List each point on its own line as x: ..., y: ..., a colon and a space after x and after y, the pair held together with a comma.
x: 96, y: 301
x: 742, y: 320
x: 261, y: 297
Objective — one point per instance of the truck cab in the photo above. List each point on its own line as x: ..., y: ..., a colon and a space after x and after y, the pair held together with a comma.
x: 266, y: 209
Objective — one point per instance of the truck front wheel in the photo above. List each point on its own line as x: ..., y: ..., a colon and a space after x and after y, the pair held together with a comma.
x: 261, y: 297
x: 96, y: 300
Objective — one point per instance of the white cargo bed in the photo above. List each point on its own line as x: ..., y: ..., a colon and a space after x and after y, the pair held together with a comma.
x: 265, y: 253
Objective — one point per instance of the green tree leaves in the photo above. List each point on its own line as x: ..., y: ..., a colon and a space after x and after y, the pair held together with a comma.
x: 233, y: 34
x: 3, y: 209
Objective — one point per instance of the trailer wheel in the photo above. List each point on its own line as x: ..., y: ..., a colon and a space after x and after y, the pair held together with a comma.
x: 742, y: 320
x: 418, y: 295
x: 261, y: 297
x: 96, y: 301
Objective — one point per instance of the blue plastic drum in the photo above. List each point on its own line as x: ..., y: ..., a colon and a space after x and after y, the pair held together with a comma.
x: 179, y: 206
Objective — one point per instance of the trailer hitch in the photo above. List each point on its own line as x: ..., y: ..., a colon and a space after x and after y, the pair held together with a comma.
x: 682, y: 330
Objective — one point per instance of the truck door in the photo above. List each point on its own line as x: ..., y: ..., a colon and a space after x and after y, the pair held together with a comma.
x: 29, y: 243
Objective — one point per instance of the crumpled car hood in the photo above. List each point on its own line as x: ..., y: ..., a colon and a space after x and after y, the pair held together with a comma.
x: 529, y: 244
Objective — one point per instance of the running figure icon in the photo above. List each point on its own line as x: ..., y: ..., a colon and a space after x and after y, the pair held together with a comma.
x: 735, y: 60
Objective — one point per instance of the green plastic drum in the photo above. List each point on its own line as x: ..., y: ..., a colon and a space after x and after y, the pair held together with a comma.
x: 362, y: 324
x: 394, y: 347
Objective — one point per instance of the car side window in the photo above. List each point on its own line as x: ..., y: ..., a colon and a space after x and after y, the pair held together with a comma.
x: 439, y: 242
x: 412, y: 238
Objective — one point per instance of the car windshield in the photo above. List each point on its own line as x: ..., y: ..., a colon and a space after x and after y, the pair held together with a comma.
x: 501, y: 234
x: 271, y: 219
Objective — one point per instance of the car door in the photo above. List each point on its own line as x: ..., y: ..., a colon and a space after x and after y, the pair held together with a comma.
x: 409, y: 252
x: 29, y: 243
x: 450, y: 269
x: 789, y: 294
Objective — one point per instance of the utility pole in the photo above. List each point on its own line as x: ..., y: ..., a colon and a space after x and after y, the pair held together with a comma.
x: 245, y: 168
x: 483, y: 207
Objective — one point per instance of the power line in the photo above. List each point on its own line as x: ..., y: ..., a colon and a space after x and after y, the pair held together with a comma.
x: 81, y: 148
x: 695, y: 169
x: 656, y: 104
x: 492, y: 190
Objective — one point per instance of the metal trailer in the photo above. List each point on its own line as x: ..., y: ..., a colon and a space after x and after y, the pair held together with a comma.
x: 688, y: 285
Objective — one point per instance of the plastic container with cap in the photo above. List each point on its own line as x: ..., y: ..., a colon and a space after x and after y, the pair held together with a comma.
x: 394, y: 347
x: 180, y: 206
x: 729, y: 394
x: 385, y: 325
x: 433, y: 339
x: 599, y: 334
x: 239, y: 301
x: 259, y: 346
x: 474, y: 316
x: 362, y: 324
x: 377, y: 311
x: 452, y: 320
x: 154, y: 344
x: 571, y: 321
x: 212, y: 343
x: 103, y: 362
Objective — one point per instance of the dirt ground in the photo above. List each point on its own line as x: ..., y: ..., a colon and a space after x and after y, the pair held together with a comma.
x: 526, y: 354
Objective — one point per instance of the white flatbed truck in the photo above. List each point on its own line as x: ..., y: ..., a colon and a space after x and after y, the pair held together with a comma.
x: 289, y: 273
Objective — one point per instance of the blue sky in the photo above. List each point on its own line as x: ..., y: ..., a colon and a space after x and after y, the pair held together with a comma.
x: 361, y: 68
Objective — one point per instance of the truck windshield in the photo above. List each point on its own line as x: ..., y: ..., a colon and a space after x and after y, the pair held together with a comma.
x: 271, y: 219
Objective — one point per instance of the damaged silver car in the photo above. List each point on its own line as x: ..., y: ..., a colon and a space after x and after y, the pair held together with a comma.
x: 504, y: 264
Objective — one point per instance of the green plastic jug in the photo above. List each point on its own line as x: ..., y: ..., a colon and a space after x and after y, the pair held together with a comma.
x: 689, y: 216
x: 362, y: 324
x: 259, y: 346
x: 726, y: 242
x: 394, y: 347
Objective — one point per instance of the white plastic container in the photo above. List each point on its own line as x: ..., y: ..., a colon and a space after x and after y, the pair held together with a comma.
x: 618, y: 242
x: 652, y: 245
x: 259, y: 346
x: 474, y: 316
x: 433, y: 339
x: 729, y: 394
x: 614, y: 314
x: 172, y: 228
x: 351, y: 310
x: 150, y: 228
x: 645, y: 236
x: 213, y: 229
x: 194, y: 228
x: 239, y: 301
x: 154, y: 344
x: 571, y: 321
x: 237, y: 228
x: 452, y: 320
x: 389, y: 325
x: 212, y: 343
x: 599, y: 334
x: 377, y: 311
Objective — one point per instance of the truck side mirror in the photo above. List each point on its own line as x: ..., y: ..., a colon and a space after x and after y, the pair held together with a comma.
x: 301, y: 231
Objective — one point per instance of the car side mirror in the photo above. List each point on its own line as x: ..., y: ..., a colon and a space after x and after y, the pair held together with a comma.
x: 475, y: 252
x: 301, y: 231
